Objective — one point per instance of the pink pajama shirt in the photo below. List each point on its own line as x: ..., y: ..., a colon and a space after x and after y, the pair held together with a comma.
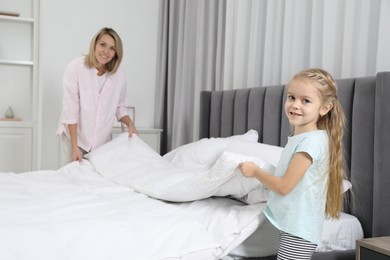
x: 93, y: 112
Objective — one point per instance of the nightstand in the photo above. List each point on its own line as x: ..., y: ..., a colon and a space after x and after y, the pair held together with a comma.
x: 376, y: 248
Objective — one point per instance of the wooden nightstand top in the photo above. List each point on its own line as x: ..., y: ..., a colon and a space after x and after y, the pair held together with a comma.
x: 378, y: 244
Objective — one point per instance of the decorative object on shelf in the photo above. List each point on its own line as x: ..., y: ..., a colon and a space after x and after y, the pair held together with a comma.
x: 7, y: 13
x: 9, y: 113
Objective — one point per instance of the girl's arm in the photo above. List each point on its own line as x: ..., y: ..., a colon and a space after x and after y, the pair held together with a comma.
x: 299, y: 164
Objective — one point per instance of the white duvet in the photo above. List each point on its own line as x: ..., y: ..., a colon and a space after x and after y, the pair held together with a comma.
x: 78, y: 212
x: 133, y: 163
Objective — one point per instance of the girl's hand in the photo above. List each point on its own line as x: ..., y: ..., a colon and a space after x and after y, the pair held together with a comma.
x: 248, y: 169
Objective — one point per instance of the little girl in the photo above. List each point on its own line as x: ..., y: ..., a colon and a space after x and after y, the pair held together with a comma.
x: 307, y: 185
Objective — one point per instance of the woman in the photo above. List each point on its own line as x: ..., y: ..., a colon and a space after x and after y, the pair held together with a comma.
x: 94, y: 92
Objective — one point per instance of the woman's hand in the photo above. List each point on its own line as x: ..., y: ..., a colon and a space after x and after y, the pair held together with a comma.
x: 76, y: 155
x: 130, y: 125
x: 132, y: 130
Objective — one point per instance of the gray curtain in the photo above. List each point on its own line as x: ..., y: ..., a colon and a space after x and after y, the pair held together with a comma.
x: 232, y: 44
x: 191, y: 40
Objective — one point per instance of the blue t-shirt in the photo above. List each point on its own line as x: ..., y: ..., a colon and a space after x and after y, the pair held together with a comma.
x: 302, y: 211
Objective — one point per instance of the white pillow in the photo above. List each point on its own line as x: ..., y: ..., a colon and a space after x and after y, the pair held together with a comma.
x: 340, y: 234
x: 204, y: 153
x: 269, y: 153
x: 336, y: 235
x: 239, y: 186
x: 346, y: 185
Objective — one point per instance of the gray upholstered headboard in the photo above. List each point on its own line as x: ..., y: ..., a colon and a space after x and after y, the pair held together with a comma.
x: 366, y: 141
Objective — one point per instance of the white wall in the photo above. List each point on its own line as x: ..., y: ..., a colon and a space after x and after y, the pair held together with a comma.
x: 66, y: 28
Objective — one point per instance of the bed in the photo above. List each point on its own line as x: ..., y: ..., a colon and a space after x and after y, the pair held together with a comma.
x: 366, y: 142
x: 125, y: 201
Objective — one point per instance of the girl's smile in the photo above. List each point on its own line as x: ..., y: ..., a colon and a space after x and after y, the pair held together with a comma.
x: 295, y: 114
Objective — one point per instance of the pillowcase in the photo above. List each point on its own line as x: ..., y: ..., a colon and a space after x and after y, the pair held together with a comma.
x: 239, y: 186
x: 269, y: 153
x: 346, y: 185
x: 203, y: 154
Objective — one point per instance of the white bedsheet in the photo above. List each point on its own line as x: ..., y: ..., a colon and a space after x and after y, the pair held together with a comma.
x: 75, y: 213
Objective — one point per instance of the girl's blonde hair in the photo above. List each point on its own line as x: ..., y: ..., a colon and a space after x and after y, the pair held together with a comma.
x: 113, y: 65
x: 333, y: 122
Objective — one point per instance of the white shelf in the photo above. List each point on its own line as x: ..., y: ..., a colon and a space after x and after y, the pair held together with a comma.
x: 20, y: 89
x: 16, y: 124
x: 16, y: 19
x: 17, y: 62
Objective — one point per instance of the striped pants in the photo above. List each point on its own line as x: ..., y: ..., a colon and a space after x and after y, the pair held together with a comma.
x: 294, y: 248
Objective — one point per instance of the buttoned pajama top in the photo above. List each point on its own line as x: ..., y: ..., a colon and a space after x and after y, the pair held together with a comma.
x: 93, y: 110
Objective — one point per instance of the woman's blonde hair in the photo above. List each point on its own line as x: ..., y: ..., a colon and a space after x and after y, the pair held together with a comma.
x: 113, y: 65
x: 333, y: 122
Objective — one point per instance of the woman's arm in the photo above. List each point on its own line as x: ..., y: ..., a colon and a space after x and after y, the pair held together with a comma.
x: 76, y: 154
x: 299, y: 164
x: 130, y: 125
